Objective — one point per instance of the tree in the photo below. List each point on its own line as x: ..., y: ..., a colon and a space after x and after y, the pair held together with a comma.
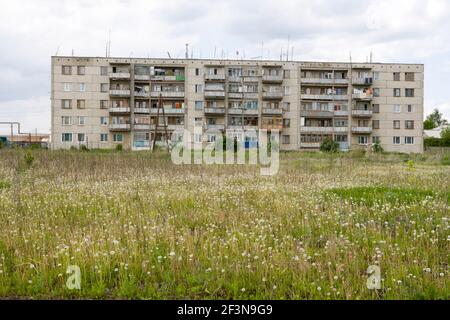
x: 329, y: 145
x: 445, y: 136
x: 434, y: 120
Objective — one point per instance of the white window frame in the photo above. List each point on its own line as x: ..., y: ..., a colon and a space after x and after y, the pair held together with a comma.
x: 78, y: 137
x: 69, y: 135
x: 67, y: 87
x: 81, y: 120
x: 63, y: 120
x: 102, y: 135
x: 411, y: 140
x: 397, y: 108
x: 115, y: 137
x: 82, y: 87
x: 395, y: 139
x: 103, y: 123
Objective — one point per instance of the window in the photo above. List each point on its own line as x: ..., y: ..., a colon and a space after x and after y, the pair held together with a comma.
x: 363, y: 140
x: 286, y: 123
x: 409, y: 76
x: 409, y: 140
x: 396, y: 76
x: 287, y: 74
x: 66, y: 104
x: 211, y: 137
x: 82, y: 87
x: 104, y: 121
x: 198, y: 138
x: 287, y: 90
x: 103, y: 104
x: 197, y: 71
x: 376, y: 139
x: 397, y: 92
x: 103, y: 137
x: 81, y: 70
x: 103, y: 71
x: 118, y: 137
x: 376, y: 75
x: 376, y: 108
x: 81, y: 104
x: 286, y: 139
x: 198, y: 122
x: 396, y: 140
x: 376, y: 92
x: 66, y: 120
x: 81, y: 137
x: 104, y: 87
x: 67, y: 87
x: 66, y: 70
x: 409, y: 108
x: 66, y: 137
x: 198, y: 88
x: 376, y: 124
x: 397, y: 108
x: 409, y: 124
x: 81, y: 120
x: 198, y: 105
x: 396, y: 124
x: 409, y: 92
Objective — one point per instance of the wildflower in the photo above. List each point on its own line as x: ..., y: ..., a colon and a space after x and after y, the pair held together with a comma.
x: 172, y: 253
x: 243, y: 289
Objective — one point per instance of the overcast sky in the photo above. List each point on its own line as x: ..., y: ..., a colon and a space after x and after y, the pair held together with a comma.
x: 409, y: 31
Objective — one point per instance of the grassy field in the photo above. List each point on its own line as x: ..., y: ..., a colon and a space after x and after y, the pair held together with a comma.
x: 140, y: 227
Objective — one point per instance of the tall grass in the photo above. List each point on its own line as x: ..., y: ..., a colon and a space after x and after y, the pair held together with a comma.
x: 140, y: 227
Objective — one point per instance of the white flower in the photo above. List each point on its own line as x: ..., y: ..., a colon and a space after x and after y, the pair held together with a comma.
x: 243, y: 289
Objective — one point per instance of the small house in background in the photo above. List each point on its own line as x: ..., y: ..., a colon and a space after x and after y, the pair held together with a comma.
x: 435, y: 133
x: 26, y: 140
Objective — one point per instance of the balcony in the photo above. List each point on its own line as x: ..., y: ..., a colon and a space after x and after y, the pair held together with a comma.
x: 362, y: 129
x: 272, y: 95
x: 362, y: 113
x: 215, y: 127
x: 214, y: 110
x: 235, y: 127
x: 340, y: 129
x: 141, y: 77
x: 234, y: 79
x: 120, y: 93
x: 179, y: 111
x: 317, y: 129
x: 175, y: 127
x: 235, y: 95
x: 119, y: 127
x: 168, y: 78
x: 362, y: 81
x: 252, y: 112
x: 272, y: 111
x: 214, y: 77
x: 235, y: 111
x: 249, y: 127
x: 310, y: 145
x: 167, y: 94
x: 142, y: 94
x: 272, y: 78
x: 272, y: 127
x: 363, y: 96
x: 251, y: 95
x: 251, y: 79
x: 215, y: 94
x: 340, y: 113
x: 324, y: 97
x: 323, y: 81
x: 142, y: 110
x: 117, y: 110
x: 144, y: 127
x: 317, y: 114
x: 119, y: 75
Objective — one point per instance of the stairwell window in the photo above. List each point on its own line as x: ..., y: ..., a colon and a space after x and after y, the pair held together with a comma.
x: 409, y: 140
x: 397, y: 92
x: 198, y: 105
x: 81, y: 120
x: 103, y: 121
x: 376, y: 124
x: 66, y: 104
x: 376, y: 92
x: 66, y: 120
x: 81, y: 104
x: 396, y: 124
x: 81, y: 70
x: 66, y: 70
x: 409, y: 124
x: 66, y: 137
x: 103, y: 104
x: 409, y: 76
x: 409, y: 92
x: 67, y: 87
x: 103, y: 71
x: 397, y: 108
x: 104, y: 87
x: 286, y: 106
x: 198, y: 88
x: 286, y: 123
x: 410, y: 108
x: 82, y: 87
x: 376, y: 108
x: 396, y: 76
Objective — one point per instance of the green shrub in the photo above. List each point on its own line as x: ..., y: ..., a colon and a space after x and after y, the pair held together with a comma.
x: 29, y: 159
x: 377, y: 148
x: 84, y: 148
x: 119, y: 147
x: 329, y: 145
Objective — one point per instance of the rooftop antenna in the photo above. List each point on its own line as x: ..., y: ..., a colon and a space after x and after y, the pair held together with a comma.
x: 72, y: 52
x: 109, y: 44
x: 262, y: 50
x: 168, y: 53
x: 287, y: 51
x: 292, y: 54
x: 215, y: 48
x: 281, y: 55
x: 192, y: 53
x: 371, y: 56
x: 187, y: 51
x: 57, y: 50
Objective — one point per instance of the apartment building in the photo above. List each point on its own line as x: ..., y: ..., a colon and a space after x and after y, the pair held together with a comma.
x: 101, y: 102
